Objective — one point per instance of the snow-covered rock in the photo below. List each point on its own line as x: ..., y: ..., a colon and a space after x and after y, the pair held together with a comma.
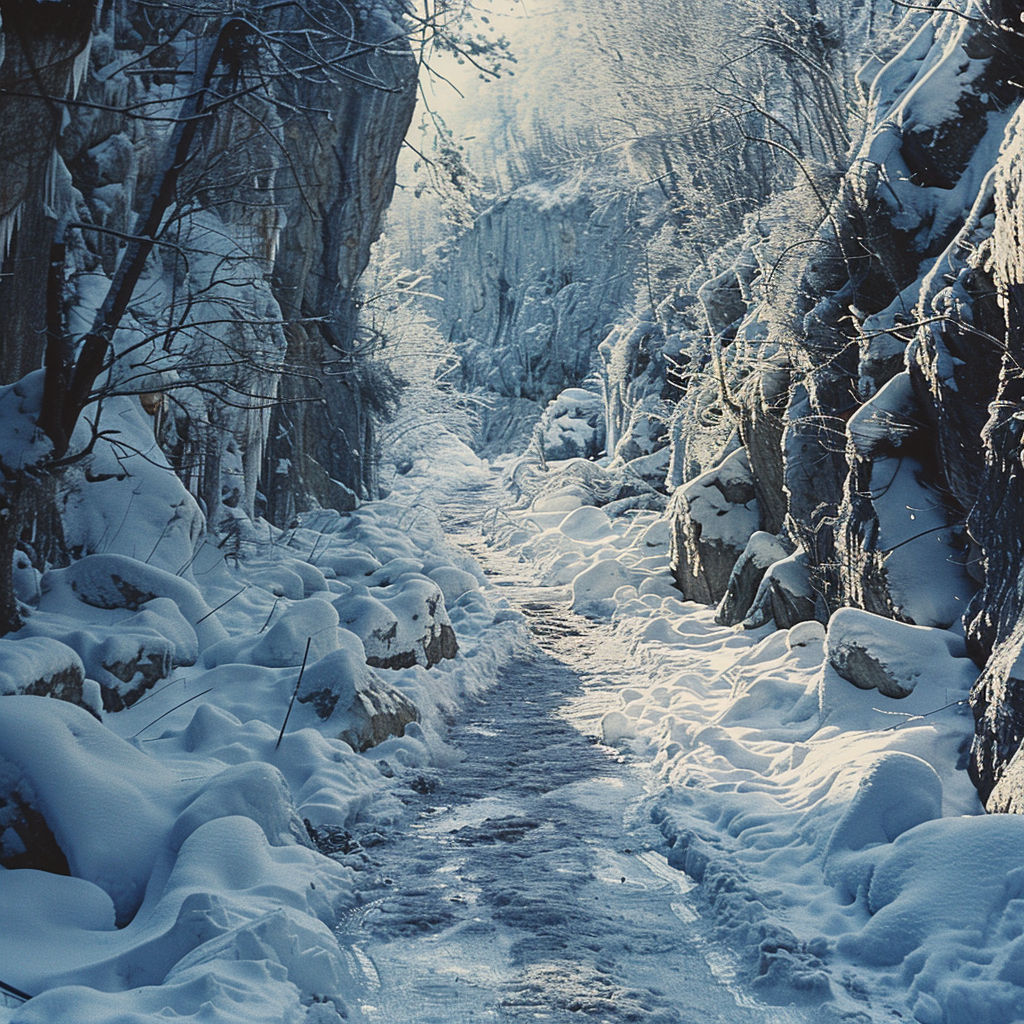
x: 311, y: 622
x: 762, y: 550
x: 713, y: 518
x: 117, y: 581
x: 356, y: 701
x: 423, y: 633
x: 41, y: 666
x: 874, y: 652
x: 784, y: 594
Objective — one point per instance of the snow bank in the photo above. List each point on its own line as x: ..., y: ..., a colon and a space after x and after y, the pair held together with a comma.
x: 187, y: 819
x: 837, y: 840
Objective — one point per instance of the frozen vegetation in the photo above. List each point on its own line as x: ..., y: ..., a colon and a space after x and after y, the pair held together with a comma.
x: 701, y: 332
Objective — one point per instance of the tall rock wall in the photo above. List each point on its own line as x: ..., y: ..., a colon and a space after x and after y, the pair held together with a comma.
x: 245, y: 324
x: 530, y: 290
x: 891, y: 369
x: 335, y: 187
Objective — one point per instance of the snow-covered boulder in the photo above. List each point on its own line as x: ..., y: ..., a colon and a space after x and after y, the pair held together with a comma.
x: 124, y: 498
x: 874, y: 652
x: 127, y: 639
x: 342, y: 689
x: 712, y: 517
x: 893, y: 796
x: 762, y: 550
x: 278, y: 580
x: 253, y: 790
x: 117, y: 581
x: 107, y: 805
x: 344, y: 564
x: 44, y: 667
x: 373, y: 622
x: 425, y: 635
x: 454, y: 582
x: 284, y: 644
x: 394, y: 570
x: 572, y: 426
x: 785, y: 594
x: 593, y: 590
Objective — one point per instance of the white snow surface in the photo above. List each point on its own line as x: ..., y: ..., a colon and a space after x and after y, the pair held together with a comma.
x: 195, y: 889
x: 833, y: 831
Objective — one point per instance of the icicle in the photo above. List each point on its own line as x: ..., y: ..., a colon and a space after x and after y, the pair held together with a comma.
x: 81, y: 67
x: 8, y: 225
x: 50, y: 188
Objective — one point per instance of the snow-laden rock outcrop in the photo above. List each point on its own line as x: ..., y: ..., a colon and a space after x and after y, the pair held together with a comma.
x: 873, y: 380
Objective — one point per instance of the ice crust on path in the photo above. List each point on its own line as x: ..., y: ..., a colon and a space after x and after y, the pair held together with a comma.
x: 521, y: 884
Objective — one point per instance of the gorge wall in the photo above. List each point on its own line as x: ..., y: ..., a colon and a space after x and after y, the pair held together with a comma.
x: 241, y: 340
x: 877, y: 399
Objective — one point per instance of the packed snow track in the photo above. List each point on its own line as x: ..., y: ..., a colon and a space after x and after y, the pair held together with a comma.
x: 524, y: 883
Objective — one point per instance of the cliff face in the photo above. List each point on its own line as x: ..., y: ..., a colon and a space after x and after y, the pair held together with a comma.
x: 244, y: 323
x: 45, y: 56
x: 530, y: 290
x: 335, y: 189
x: 878, y: 395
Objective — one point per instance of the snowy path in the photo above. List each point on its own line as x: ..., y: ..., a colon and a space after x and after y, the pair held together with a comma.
x: 521, y: 885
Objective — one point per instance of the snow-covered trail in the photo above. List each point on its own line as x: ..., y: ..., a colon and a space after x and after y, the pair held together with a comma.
x: 522, y: 883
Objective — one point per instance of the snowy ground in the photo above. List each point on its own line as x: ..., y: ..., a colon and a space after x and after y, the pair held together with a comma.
x: 837, y: 843
x: 506, y: 857
x: 190, y: 821
x: 524, y: 881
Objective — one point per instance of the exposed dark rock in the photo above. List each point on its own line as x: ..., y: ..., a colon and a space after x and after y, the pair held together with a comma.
x: 816, y: 468
x: 712, y: 518
x: 997, y: 701
x: 761, y: 430
x: 862, y: 667
x: 335, y: 184
x: 994, y: 620
x: 368, y: 708
x: 785, y: 595
x: 442, y: 644
x: 1007, y: 797
x: 123, y: 682
x: 877, y: 653
x: 382, y: 711
x: 25, y: 839
x: 761, y: 551
x: 530, y: 288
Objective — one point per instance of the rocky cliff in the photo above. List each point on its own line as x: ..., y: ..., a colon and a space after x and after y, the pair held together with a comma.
x: 878, y: 401
x: 244, y: 323
x: 529, y: 291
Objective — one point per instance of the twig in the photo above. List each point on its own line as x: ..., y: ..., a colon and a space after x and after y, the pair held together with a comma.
x: 153, y: 693
x: 295, y: 692
x: 927, y: 714
x: 175, y: 708
x: 271, y: 615
x: 12, y: 991
x: 221, y: 605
